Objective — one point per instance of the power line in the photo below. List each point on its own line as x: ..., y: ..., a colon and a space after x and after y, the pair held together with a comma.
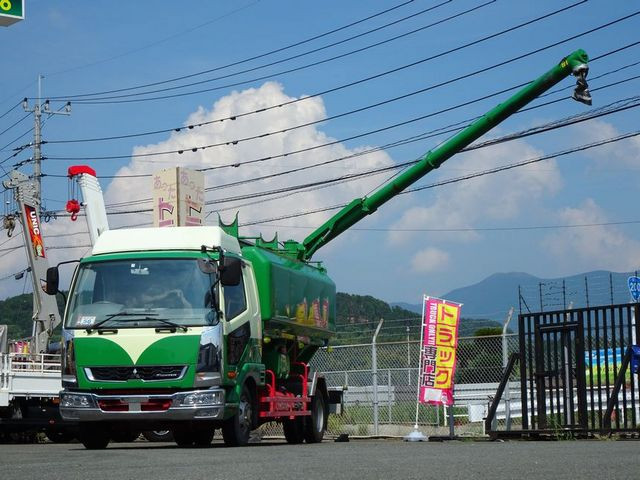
x: 404, y: 141
x: 234, y: 142
x: 353, y: 176
x: 4, y: 149
x: 379, y: 75
x: 238, y: 62
x: 234, y: 117
x: 293, y: 57
x: 14, y: 124
x: 158, y: 41
x: 325, y: 183
x: 307, y: 149
x: 10, y: 110
x: 459, y: 179
x: 99, y: 100
x: 614, y: 107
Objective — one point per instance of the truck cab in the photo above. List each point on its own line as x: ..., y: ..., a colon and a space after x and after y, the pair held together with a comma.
x: 145, y: 330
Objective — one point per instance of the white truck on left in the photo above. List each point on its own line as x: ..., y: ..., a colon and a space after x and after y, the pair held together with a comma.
x: 30, y: 376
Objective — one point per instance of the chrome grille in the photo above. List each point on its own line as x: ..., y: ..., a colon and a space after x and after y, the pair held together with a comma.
x: 146, y: 373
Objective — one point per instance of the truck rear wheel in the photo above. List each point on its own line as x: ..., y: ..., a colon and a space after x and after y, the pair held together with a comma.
x: 293, y: 430
x: 94, y: 437
x: 315, y: 425
x: 237, y: 429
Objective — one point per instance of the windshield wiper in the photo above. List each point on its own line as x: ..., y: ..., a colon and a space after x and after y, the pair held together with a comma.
x: 169, y: 322
x: 95, y: 326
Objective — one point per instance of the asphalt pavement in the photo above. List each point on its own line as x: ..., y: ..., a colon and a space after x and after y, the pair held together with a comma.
x: 357, y: 460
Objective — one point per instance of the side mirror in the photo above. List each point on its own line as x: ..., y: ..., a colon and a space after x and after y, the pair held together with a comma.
x: 231, y: 272
x: 53, y: 280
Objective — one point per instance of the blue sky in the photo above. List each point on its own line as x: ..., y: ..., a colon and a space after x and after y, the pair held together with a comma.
x: 430, y: 241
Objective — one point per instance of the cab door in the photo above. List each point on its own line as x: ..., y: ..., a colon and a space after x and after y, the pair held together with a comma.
x: 241, y: 317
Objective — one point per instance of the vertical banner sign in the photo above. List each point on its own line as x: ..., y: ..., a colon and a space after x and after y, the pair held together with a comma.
x: 190, y: 197
x: 178, y: 198
x: 438, y: 351
x: 35, y: 234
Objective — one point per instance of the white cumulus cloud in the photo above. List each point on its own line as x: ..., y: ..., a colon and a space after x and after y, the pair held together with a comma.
x: 622, y: 154
x: 302, y: 112
x: 602, y: 247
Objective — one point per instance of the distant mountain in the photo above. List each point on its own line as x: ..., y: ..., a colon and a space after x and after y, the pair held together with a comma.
x: 358, y: 317
x: 492, y: 297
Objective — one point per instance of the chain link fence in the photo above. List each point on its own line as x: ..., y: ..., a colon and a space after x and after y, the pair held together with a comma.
x: 380, y: 398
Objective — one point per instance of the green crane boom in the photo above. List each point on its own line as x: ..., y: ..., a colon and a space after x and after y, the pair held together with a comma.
x: 575, y: 64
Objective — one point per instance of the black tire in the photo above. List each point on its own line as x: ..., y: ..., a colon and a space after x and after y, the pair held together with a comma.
x: 94, y: 437
x: 203, y: 437
x: 316, y: 424
x: 59, y: 435
x: 237, y: 429
x: 183, y: 437
x: 158, y: 435
x: 293, y: 430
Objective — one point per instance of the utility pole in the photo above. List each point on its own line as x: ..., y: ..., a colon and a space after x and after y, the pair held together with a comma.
x: 37, y: 133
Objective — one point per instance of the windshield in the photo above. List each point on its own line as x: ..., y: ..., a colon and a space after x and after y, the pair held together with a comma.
x: 141, y: 293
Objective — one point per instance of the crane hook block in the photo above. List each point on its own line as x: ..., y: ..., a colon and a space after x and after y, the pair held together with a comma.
x: 73, y: 207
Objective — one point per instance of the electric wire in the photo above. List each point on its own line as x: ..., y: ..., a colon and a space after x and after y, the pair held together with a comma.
x: 352, y: 176
x: 293, y: 57
x: 458, y: 179
x: 14, y: 124
x: 325, y: 183
x: 614, y: 107
x: 117, y: 98
x: 238, y: 62
x: 10, y: 110
x: 379, y: 75
x: 423, y: 136
x: 157, y: 42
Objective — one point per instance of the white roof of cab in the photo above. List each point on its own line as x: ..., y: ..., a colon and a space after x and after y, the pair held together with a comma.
x: 168, y: 238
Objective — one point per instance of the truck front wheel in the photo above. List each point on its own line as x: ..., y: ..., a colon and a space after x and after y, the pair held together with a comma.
x: 237, y: 429
x: 94, y: 437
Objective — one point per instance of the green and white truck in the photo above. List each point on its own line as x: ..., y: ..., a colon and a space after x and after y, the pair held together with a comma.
x: 193, y: 329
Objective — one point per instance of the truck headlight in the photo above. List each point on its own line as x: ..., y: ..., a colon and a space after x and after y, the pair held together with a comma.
x: 205, y: 397
x: 76, y: 400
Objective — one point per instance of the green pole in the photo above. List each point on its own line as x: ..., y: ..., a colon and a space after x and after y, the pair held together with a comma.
x: 359, y: 208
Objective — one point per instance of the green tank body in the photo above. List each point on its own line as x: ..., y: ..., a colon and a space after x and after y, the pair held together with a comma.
x: 296, y: 298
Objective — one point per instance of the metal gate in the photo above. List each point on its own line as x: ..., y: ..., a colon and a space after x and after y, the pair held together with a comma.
x: 569, y: 361
x: 560, y: 376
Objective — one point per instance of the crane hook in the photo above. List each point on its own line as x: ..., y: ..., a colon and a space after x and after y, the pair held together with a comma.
x: 73, y: 207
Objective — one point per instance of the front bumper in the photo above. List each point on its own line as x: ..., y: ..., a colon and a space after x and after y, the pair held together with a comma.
x: 189, y: 405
